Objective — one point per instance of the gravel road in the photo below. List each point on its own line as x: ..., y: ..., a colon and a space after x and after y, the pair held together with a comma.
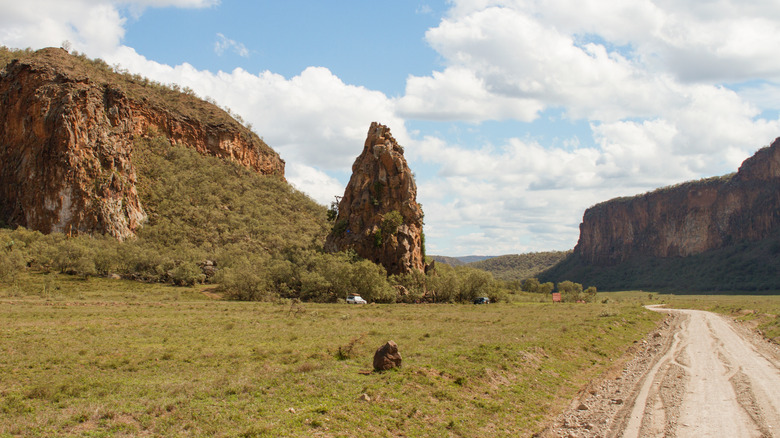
x: 698, y: 375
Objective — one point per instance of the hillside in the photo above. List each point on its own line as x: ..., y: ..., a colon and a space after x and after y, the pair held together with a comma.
x: 715, y: 234
x: 112, y: 175
x: 67, y: 159
x: 520, y: 266
x: 459, y: 261
x: 452, y: 261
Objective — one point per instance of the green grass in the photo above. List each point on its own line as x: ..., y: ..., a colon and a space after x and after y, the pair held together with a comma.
x: 111, y: 358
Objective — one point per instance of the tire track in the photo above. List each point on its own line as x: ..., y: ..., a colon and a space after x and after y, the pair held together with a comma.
x: 710, y: 383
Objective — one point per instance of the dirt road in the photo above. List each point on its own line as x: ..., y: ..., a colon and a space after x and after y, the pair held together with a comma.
x: 701, y: 377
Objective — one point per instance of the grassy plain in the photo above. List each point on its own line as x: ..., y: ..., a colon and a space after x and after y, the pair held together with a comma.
x: 105, y: 357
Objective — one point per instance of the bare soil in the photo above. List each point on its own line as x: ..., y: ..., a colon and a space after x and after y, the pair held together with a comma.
x: 697, y: 375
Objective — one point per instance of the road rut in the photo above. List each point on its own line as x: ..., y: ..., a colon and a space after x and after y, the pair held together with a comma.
x: 699, y: 376
x: 725, y: 386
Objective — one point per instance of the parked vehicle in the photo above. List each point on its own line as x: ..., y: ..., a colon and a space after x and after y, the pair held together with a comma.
x: 482, y: 300
x: 355, y: 299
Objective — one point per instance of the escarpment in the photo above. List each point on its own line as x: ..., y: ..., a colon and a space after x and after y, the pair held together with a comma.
x: 689, y: 218
x: 67, y: 127
x: 379, y: 217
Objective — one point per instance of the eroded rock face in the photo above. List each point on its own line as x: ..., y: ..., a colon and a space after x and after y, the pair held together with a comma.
x: 689, y: 218
x: 66, y: 146
x: 379, y: 216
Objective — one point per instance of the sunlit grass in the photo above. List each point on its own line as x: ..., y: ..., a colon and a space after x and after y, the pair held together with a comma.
x: 107, y: 358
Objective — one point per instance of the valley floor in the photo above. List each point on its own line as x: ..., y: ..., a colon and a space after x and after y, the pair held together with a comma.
x: 106, y: 358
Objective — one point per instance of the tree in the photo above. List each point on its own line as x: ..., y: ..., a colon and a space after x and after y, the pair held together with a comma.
x: 546, y: 288
x: 590, y: 294
x: 531, y: 285
x: 570, y: 291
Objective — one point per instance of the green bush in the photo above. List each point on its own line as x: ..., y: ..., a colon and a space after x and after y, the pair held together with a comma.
x: 570, y: 291
x: 11, y: 261
x: 390, y: 222
x: 530, y: 285
x: 187, y: 274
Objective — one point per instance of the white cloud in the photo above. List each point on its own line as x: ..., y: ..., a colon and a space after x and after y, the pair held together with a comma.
x: 648, y: 75
x: 314, y: 120
x: 317, y: 184
x: 88, y: 26
x: 224, y: 43
x: 654, y: 80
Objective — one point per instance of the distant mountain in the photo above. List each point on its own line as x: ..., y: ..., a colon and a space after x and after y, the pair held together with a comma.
x: 459, y: 261
x: 520, y: 266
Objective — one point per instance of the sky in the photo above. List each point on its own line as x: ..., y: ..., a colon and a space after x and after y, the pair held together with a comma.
x: 515, y: 115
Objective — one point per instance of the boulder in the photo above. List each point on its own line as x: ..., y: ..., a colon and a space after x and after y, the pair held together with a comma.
x: 387, y: 357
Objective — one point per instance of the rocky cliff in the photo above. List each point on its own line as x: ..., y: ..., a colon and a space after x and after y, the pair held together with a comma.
x: 379, y: 217
x: 67, y: 126
x: 689, y: 218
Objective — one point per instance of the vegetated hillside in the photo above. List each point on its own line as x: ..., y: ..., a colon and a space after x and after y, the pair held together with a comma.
x: 459, y: 261
x: 712, y: 235
x: 216, y: 221
x: 220, y: 207
x: 106, y: 173
x: 520, y: 266
x: 199, y: 208
x: 67, y: 145
x: 452, y: 261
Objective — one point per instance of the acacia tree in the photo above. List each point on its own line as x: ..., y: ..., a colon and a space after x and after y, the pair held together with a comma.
x: 570, y: 291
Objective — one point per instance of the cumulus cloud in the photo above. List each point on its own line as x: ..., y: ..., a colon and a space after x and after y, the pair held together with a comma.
x: 670, y: 90
x: 88, y: 26
x: 314, y: 120
x: 654, y: 79
x: 654, y: 119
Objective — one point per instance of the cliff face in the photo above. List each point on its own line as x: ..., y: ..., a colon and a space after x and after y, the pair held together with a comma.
x: 66, y: 143
x: 689, y: 218
x: 379, y: 216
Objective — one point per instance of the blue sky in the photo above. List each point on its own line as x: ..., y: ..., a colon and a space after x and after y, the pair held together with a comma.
x: 516, y: 115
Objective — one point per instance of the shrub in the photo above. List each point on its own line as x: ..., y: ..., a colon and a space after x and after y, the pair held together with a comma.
x: 243, y: 283
x: 11, y: 263
x: 531, y: 285
x: 390, y: 222
x: 570, y: 291
x: 187, y: 274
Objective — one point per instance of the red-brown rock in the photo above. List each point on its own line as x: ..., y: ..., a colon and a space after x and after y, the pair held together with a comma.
x: 379, y: 217
x: 66, y: 143
x: 387, y: 357
x: 688, y: 218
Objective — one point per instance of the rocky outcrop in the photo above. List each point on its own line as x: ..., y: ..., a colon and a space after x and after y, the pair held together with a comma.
x: 387, y: 357
x: 689, y: 218
x: 67, y: 128
x: 379, y: 217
